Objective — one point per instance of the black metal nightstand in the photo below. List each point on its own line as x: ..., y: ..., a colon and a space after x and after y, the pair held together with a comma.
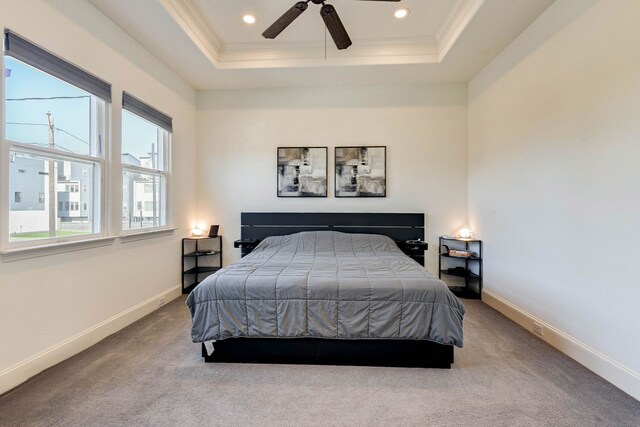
x: 414, y: 249
x: 194, y: 252
x: 462, y: 270
x: 246, y: 245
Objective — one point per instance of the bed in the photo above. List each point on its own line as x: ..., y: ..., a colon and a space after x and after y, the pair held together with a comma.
x: 329, y: 297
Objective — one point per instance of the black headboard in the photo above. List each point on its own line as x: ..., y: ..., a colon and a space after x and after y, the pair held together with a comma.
x: 398, y: 226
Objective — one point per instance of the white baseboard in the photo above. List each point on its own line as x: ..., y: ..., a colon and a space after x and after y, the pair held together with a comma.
x: 15, y: 375
x: 617, y: 374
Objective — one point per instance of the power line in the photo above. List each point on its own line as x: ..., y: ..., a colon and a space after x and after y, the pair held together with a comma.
x: 58, y: 147
x: 71, y: 135
x: 51, y: 97
x: 43, y: 124
x: 27, y: 124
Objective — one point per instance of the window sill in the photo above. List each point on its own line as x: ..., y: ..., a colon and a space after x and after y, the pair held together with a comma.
x: 17, y: 254
x: 147, y: 234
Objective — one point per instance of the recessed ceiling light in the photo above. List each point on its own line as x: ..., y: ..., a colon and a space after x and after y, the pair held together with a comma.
x: 249, y: 19
x: 402, y: 13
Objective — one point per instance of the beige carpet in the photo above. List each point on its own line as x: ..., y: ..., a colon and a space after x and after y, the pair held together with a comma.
x: 151, y: 374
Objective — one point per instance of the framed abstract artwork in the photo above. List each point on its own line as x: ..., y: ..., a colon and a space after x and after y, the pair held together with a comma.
x: 361, y: 172
x: 302, y: 171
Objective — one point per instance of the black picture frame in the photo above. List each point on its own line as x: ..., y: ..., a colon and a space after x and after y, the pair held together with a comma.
x: 353, y: 162
x: 289, y: 180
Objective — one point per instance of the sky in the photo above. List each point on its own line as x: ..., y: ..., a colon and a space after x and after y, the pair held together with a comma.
x: 26, y: 119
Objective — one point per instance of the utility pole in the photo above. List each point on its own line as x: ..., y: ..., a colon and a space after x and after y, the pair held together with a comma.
x: 52, y: 180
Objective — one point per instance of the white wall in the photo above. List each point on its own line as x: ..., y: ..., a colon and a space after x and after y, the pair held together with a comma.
x: 48, y: 303
x: 424, y: 129
x: 554, y: 176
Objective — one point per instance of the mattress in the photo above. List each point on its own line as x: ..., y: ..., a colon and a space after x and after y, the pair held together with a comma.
x: 326, y: 284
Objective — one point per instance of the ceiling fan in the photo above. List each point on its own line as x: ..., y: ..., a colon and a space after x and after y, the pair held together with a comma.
x: 329, y: 15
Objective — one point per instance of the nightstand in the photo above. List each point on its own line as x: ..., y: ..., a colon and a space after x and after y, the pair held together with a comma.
x: 246, y: 245
x: 201, y: 256
x: 414, y: 249
x: 465, y: 272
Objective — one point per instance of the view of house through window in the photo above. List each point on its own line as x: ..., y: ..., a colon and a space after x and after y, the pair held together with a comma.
x: 54, y: 131
x: 141, y: 201
x: 144, y: 146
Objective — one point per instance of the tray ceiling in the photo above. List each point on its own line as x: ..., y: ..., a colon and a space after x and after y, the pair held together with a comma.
x: 364, y: 20
x: 210, y: 46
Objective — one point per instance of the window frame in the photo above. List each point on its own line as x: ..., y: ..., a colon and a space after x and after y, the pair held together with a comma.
x: 165, y: 175
x: 100, y: 120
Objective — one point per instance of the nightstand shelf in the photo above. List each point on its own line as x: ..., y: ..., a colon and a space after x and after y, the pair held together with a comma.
x: 467, y: 268
x: 201, y: 253
x: 463, y: 292
x: 201, y: 270
x: 201, y: 256
x: 470, y: 258
x: 464, y: 274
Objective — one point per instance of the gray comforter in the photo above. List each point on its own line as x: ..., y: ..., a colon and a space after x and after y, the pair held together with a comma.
x: 326, y: 284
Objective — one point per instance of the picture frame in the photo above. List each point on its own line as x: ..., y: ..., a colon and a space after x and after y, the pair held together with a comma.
x: 360, y: 171
x: 302, y: 171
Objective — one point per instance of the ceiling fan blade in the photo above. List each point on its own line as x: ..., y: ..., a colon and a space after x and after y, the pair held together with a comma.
x: 335, y: 27
x: 285, y: 20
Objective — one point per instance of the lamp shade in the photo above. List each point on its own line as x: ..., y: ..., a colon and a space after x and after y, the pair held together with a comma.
x: 465, y: 233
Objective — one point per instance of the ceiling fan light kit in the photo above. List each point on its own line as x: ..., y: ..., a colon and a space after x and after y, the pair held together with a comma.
x: 329, y: 15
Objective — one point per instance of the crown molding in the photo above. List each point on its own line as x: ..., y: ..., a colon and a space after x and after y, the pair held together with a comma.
x: 268, y: 55
x: 190, y: 20
x: 228, y: 56
x: 455, y: 25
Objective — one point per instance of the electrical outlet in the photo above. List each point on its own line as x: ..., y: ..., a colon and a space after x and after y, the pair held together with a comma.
x: 538, y: 329
x: 160, y: 301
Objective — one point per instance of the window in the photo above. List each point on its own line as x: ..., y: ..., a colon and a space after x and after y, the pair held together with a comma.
x: 55, y: 131
x: 17, y: 197
x: 146, y: 139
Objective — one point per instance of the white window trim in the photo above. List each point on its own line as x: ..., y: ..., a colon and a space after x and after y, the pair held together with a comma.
x: 18, y: 254
x: 166, y: 207
x: 56, y: 155
x: 4, y: 162
x: 146, y: 233
x: 8, y: 248
x: 165, y: 172
x: 52, y: 152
